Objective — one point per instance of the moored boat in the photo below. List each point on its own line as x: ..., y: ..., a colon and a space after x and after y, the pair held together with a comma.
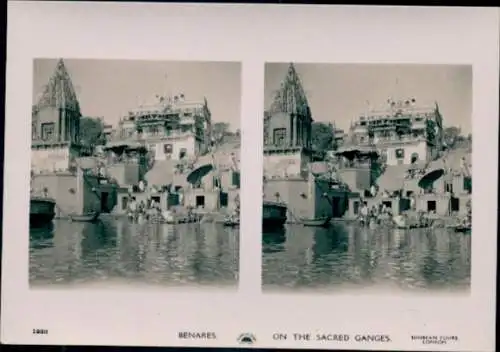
x: 42, y: 211
x: 87, y: 217
x: 318, y: 222
x: 274, y: 214
x: 231, y: 222
x: 463, y: 229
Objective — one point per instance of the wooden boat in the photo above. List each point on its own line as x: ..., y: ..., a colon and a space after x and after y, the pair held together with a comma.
x: 42, y: 211
x: 463, y: 229
x: 231, y: 222
x: 318, y: 222
x: 87, y: 217
x: 274, y: 214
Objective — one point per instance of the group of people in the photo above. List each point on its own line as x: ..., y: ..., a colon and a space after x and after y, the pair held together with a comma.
x: 143, y: 209
x: 375, y: 213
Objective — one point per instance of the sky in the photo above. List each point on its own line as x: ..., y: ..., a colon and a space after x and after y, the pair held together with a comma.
x: 109, y: 88
x: 341, y: 92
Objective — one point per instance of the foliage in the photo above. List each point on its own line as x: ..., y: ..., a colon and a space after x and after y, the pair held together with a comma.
x: 322, y: 136
x: 378, y: 168
x: 451, y: 135
x: 454, y: 139
x: 91, y: 131
x: 219, y: 130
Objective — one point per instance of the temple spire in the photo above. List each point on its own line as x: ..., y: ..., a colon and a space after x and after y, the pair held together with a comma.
x: 59, y: 91
x: 291, y: 97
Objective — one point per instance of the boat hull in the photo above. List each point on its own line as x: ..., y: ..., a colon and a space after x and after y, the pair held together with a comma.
x: 91, y: 217
x: 273, y: 215
x: 321, y: 222
x: 42, y: 211
x: 463, y: 229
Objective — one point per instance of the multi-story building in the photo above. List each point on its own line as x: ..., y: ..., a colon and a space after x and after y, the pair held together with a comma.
x: 171, y: 128
x: 402, y: 132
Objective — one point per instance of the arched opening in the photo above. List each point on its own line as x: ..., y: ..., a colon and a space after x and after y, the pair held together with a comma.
x: 414, y: 158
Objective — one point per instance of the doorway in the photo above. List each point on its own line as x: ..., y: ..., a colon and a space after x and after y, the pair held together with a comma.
x: 431, y: 205
x: 104, y: 202
x: 355, y: 208
x: 224, y: 199
x: 200, y: 201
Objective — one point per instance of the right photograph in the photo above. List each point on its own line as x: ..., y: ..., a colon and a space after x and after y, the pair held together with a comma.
x: 367, y: 182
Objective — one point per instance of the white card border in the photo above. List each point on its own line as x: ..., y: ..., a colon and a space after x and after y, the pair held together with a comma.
x: 253, y: 35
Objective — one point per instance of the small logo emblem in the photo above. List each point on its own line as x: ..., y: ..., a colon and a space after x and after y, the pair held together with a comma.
x: 247, y: 339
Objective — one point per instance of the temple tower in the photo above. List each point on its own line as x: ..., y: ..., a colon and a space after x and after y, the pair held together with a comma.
x: 56, y: 115
x: 288, y: 121
x: 287, y: 130
x: 55, y: 124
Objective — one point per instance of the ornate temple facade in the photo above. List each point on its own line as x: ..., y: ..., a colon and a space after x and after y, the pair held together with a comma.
x: 402, y: 131
x: 55, y: 124
x: 287, y: 129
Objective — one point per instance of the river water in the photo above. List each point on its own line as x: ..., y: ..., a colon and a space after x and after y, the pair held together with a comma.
x: 347, y: 258
x: 117, y: 251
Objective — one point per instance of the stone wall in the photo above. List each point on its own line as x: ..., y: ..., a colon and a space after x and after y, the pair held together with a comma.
x: 64, y: 189
x: 124, y: 173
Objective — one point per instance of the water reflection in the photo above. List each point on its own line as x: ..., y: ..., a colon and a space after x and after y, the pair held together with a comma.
x: 273, y: 241
x: 144, y: 253
x: 354, y: 257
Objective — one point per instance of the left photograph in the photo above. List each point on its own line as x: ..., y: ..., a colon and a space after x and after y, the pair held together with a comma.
x: 135, y: 174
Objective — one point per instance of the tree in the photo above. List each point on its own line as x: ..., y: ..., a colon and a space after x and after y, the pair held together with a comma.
x: 451, y: 136
x: 92, y: 131
x: 322, y: 136
x: 219, y: 130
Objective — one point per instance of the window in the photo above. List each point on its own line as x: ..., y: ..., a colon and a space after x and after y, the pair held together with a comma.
x: 279, y: 136
x: 414, y: 158
x: 236, y: 179
x: 47, y: 131
x: 468, y: 184
x: 33, y: 131
x: 167, y: 148
x: 400, y: 153
x: 182, y: 153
